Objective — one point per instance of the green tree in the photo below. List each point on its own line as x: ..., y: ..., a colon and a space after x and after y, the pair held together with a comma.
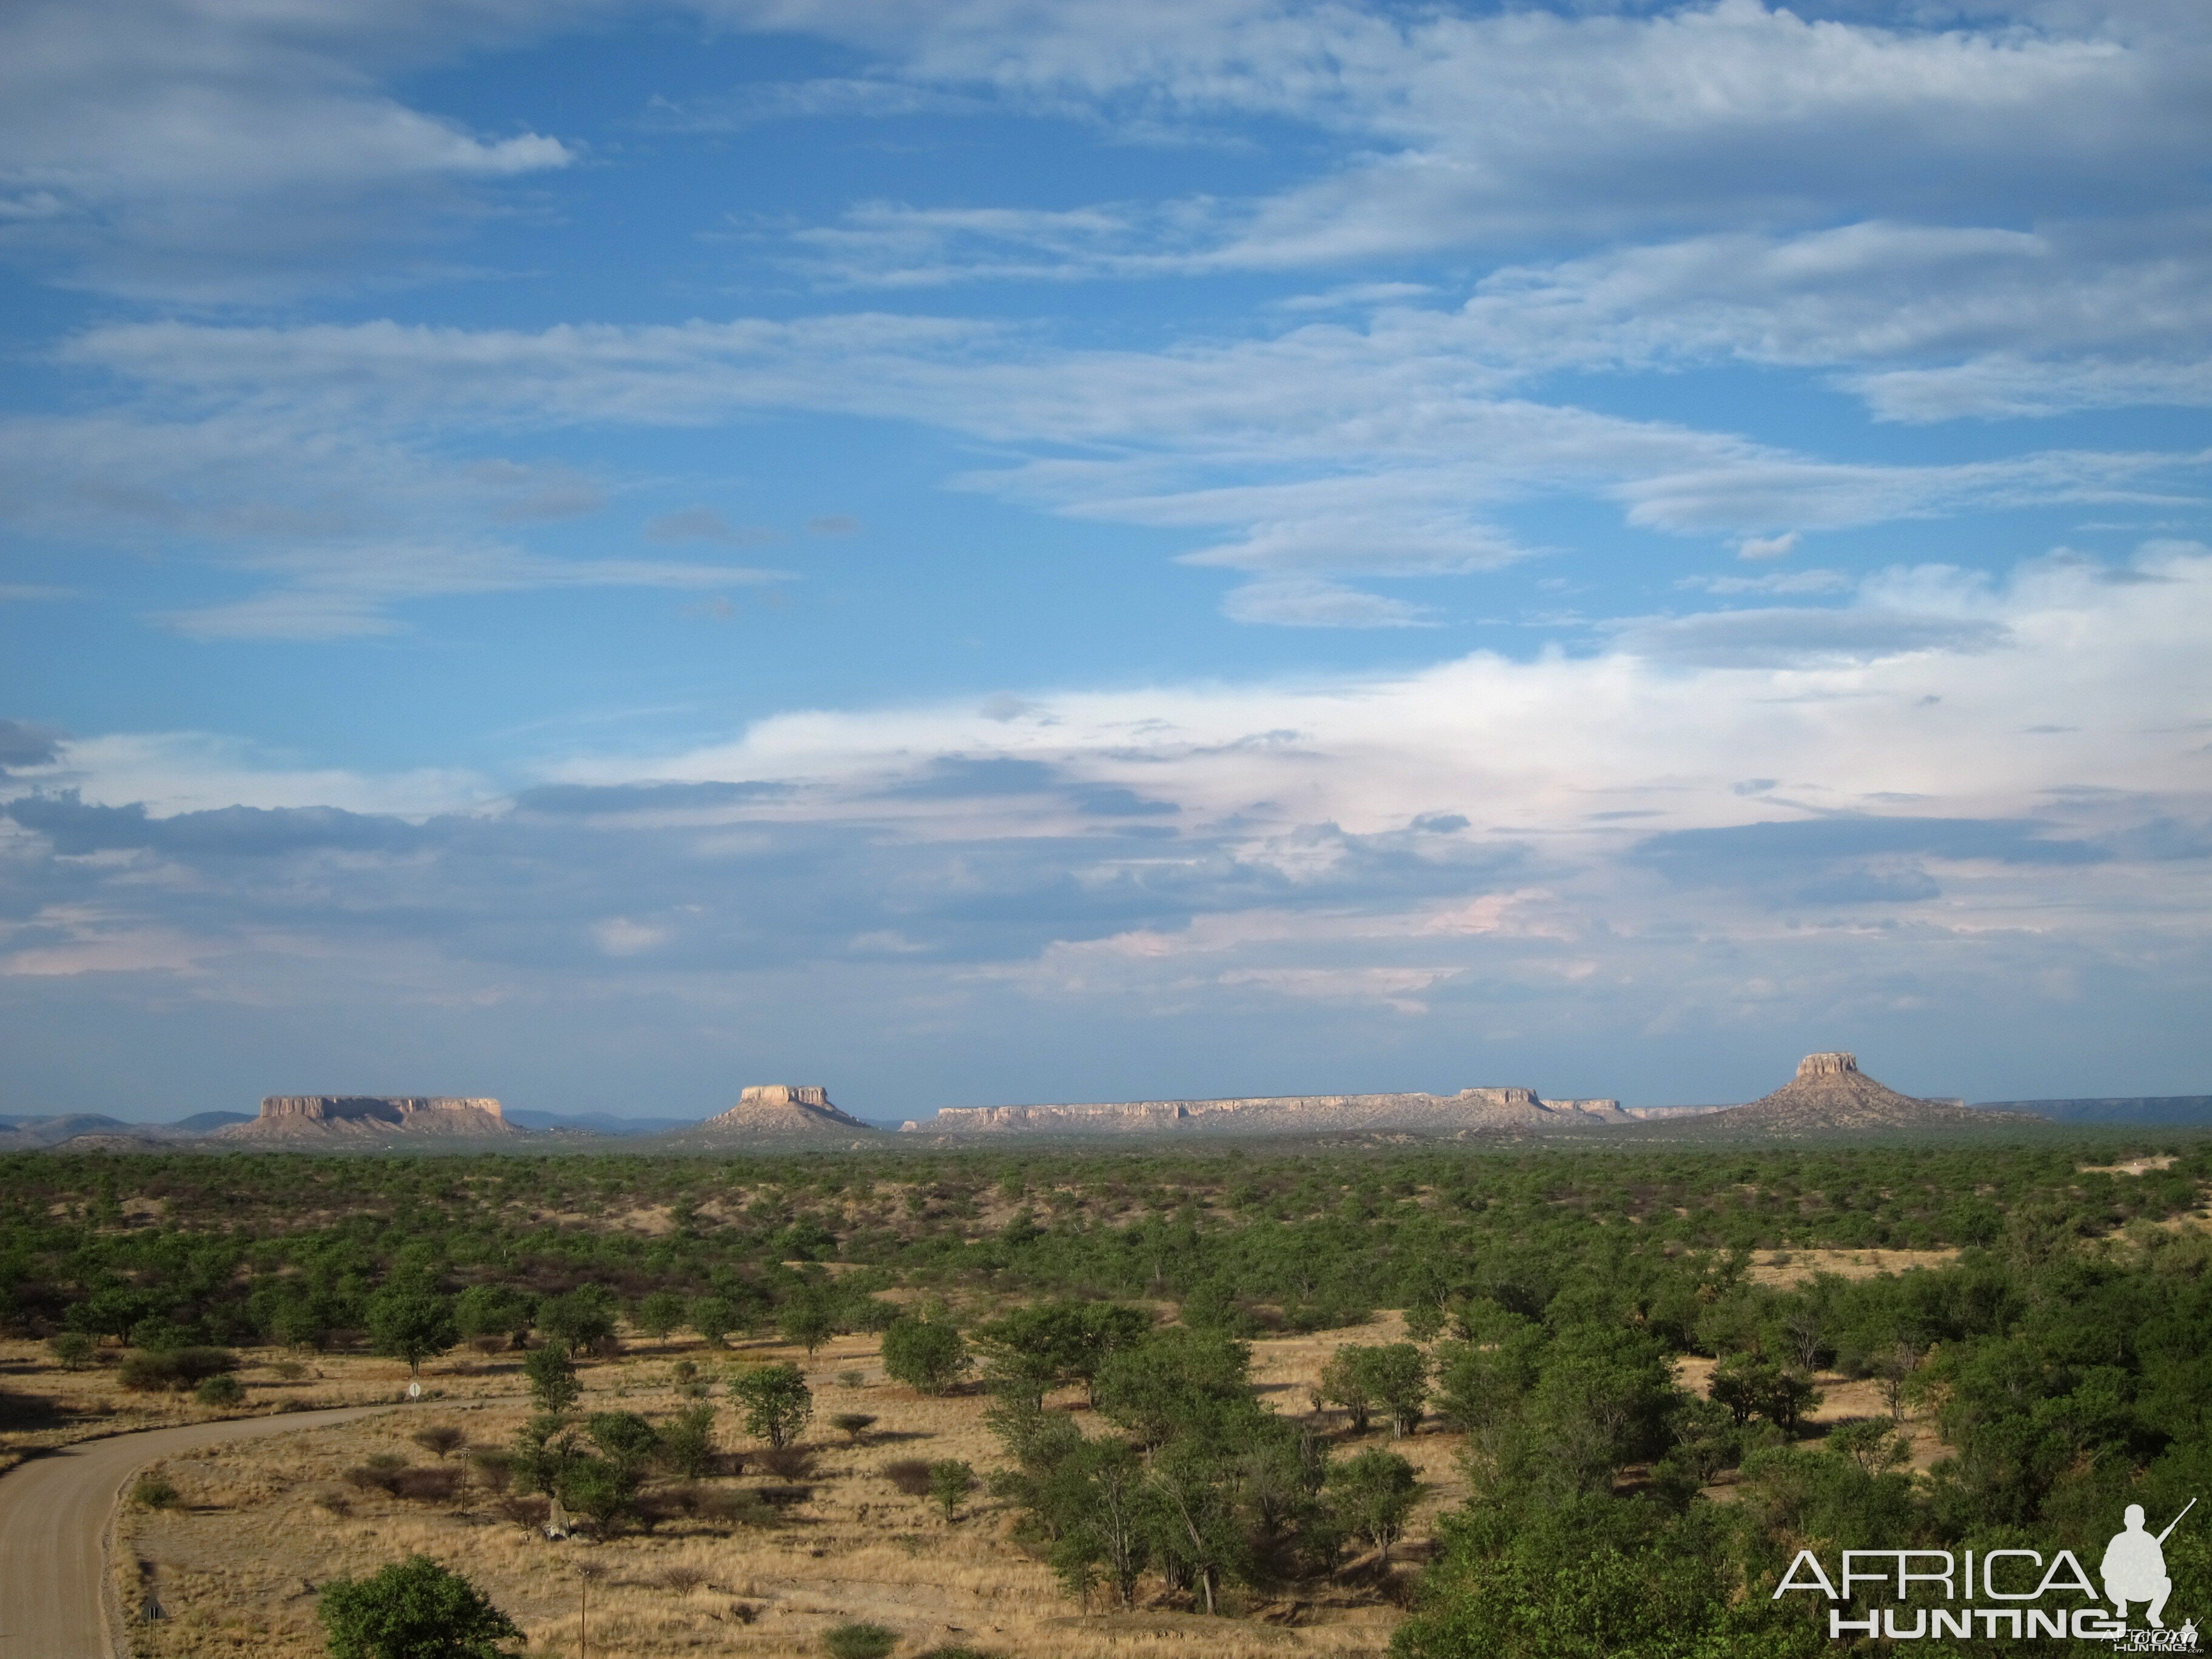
x: 412, y: 1609
x: 926, y: 1354
x: 582, y: 1320
x: 552, y: 1374
x: 599, y: 1489
x: 806, y: 1321
x: 1375, y: 1492
x: 493, y: 1310
x: 1397, y: 1378
x: 660, y: 1313
x: 627, y: 1440
x: 776, y: 1401
x: 409, y: 1321
x: 687, y: 1443
x: 949, y: 1481
x: 714, y: 1317
x: 1346, y: 1382
x: 1175, y: 1379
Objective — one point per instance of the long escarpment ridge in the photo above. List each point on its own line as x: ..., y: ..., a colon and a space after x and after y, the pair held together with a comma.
x: 1470, y: 1110
x: 317, y: 1118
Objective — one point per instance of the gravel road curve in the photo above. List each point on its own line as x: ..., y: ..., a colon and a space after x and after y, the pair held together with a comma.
x: 53, y: 1516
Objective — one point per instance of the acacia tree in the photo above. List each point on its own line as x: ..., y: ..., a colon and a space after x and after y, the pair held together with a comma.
x: 411, y: 1321
x: 552, y: 1374
x: 1375, y: 1493
x: 925, y: 1354
x: 1344, y: 1381
x: 1396, y: 1376
x: 776, y: 1401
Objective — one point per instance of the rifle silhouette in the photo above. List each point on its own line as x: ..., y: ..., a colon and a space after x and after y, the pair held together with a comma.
x: 2176, y: 1521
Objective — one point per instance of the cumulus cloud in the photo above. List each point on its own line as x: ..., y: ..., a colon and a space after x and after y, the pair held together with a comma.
x: 1601, y: 842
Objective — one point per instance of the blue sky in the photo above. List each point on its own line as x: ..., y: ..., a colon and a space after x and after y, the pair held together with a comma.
x: 975, y: 552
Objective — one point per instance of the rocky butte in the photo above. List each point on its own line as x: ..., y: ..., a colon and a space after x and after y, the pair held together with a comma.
x: 771, y: 1113
x: 1470, y: 1110
x: 1830, y: 1094
x: 360, y: 1117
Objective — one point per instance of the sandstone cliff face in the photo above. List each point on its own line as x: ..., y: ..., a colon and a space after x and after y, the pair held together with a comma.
x: 1470, y: 1110
x: 363, y: 1117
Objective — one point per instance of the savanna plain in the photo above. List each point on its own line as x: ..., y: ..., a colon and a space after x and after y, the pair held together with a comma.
x: 1434, y: 1402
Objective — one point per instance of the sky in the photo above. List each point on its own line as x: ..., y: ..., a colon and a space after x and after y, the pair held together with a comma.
x: 979, y: 551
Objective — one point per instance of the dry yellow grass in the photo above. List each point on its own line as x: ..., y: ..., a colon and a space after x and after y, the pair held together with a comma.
x: 1794, y: 1267
x: 234, y: 1566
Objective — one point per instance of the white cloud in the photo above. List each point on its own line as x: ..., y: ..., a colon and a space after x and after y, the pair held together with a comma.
x: 217, y: 150
x: 1767, y: 547
x: 1296, y: 601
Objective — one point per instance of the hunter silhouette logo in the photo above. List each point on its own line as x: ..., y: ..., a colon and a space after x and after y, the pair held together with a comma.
x: 2134, y: 1568
x: 2013, y: 1593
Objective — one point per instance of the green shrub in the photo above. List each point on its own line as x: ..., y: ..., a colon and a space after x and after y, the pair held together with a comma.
x: 154, y: 1492
x: 858, y: 1641
x: 174, y: 1369
x: 413, y: 1609
x: 72, y: 1350
x: 225, y: 1390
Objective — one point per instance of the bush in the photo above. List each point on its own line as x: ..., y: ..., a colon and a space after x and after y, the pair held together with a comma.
x: 174, y: 1369
x: 852, y: 1425
x: 787, y: 1462
x: 378, y: 1474
x: 440, y: 1439
x: 733, y: 1507
x: 909, y: 1474
x: 154, y: 1492
x: 220, y: 1391
x: 926, y: 1354
x: 858, y: 1641
x: 687, y: 1444
x: 413, y: 1609
x: 437, y: 1484
x: 72, y: 1350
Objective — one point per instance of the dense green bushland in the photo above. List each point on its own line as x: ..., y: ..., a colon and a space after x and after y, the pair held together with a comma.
x: 2064, y: 1357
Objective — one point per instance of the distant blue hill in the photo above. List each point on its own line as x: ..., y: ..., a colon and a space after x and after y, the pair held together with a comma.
x: 2165, y: 1111
x: 200, y: 1123
x: 601, y: 1123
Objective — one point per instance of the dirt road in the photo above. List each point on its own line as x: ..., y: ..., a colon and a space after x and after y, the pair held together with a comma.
x: 54, y: 1510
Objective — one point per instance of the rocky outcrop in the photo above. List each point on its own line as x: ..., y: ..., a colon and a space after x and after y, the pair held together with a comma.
x: 776, y: 1114
x: 1469, y: 1110
x: 1830, y: 1094
x: 312, y: 1118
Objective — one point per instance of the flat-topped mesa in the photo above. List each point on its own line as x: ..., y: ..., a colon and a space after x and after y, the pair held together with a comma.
x: 1412, y: 1113
x: 1833, y: 1064
x: 371, y: 1115
x: 784, y: 1094
x: 388, y: 1109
